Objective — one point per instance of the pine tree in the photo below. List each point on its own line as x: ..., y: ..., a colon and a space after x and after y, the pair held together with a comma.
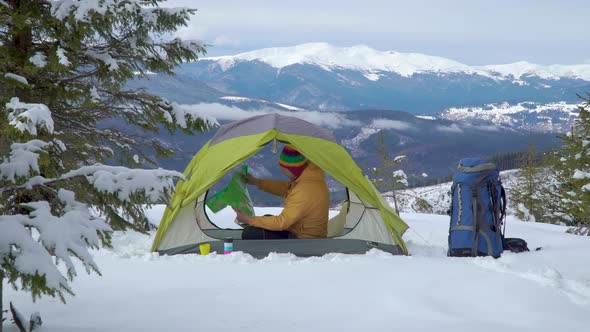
x: 571, y: 171
x: 65, y: 111
x: 529, y: 194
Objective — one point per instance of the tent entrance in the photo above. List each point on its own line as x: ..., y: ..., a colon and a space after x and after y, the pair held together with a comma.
x: 351, y: 212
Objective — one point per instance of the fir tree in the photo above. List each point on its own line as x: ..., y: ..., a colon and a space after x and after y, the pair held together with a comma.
x: 528, y: 195
x: 65, y: 111
x: 571, y: 170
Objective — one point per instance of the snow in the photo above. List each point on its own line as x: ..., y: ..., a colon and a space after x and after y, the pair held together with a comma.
x: 400, y: 177
x: 61, y: 55
x: 426, y: 117
x: 105, y: 57
x: 554, y: 72
x: 549, y: 117
x: 17, y: 78
x: 27, y: 117
x: 371, y: 62
x: 94, y: 94
x: 581, y: 174
x: 23, y: 158
x: 527, y: 214
x: 398, y: 159
x: 82, y: 9
x: 498, y: 113
x: 372, y: 76
x: 39, y: 60
x: 358, y: 57
x: 195, y: 46
x: 183, y: 112
x: 32, y: 256
x: 354, y: 144
x: 546, y: 290
x: 69, y: 234
x: 123, y: 181
x: 291, y: 108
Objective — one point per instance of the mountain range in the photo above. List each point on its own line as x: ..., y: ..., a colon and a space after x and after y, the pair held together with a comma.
x: 322, y: 77
x: 433, y: 110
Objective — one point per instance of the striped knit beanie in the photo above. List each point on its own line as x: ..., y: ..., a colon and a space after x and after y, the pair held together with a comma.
x: 292, y: 160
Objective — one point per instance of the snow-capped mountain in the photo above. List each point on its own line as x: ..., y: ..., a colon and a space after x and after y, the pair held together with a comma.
x: 371, y: 61
x: 552, y: 117
x: 322, y: 77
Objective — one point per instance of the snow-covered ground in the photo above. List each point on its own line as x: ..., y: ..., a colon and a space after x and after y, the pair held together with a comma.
x: 546, y: 290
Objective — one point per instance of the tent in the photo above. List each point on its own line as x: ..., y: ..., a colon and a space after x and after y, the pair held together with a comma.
x: 365, y: 220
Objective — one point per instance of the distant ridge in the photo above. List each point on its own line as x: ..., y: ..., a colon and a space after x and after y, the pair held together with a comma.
x: 372, y: 61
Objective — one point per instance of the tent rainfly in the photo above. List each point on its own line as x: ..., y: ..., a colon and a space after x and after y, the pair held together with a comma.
x: 365, y: 220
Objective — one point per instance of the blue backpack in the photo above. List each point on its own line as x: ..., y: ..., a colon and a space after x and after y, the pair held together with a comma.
x: 478, y: 207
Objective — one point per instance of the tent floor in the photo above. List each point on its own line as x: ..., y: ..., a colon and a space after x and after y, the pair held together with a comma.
x: 297, y: 247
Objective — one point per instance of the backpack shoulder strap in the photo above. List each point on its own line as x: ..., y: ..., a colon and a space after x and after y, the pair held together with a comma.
x: 503, y: 208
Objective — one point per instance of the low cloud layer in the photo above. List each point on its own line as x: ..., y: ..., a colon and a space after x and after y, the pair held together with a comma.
x: 454, y: 128
x: 231, y: 113
x: 391, y: 124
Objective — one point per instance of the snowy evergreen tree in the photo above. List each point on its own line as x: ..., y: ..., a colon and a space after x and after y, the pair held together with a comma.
x: 571, y: 171
x: 529, y: 194
x: 65, y: 112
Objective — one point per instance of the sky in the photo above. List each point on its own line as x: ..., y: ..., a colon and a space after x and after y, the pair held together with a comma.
x: 472, y: 32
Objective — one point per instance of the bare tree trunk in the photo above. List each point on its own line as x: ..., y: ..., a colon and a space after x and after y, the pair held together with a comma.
x: 394, y: 204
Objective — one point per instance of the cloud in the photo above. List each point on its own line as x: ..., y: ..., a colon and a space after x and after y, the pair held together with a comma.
x: 454, y: 128
x: 486, y: 127
x: 391, y: 124
x: 231, y: 113
x: 193, y: 32
x: 224, y: 40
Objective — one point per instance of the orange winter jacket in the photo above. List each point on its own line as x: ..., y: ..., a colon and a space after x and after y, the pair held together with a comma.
x: 307, y: 202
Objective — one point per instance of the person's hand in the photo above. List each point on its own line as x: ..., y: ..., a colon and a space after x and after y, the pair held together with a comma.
x: 241, y: 216
x: 251, y: 179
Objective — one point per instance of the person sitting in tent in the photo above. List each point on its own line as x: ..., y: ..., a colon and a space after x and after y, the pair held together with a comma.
x: 306, y: 197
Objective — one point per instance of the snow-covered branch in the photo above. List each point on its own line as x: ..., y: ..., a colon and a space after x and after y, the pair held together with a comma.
x: 182, y: 114
x: 400, y: 177
x: 23, y: 159
x: 399, y: 159
x: 123, y: 182
x: 60, y: 236
x: 27, y: 117
x: 17, y: 78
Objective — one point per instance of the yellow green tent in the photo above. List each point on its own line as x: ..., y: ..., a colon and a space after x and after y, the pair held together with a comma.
x: 365, y: 220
